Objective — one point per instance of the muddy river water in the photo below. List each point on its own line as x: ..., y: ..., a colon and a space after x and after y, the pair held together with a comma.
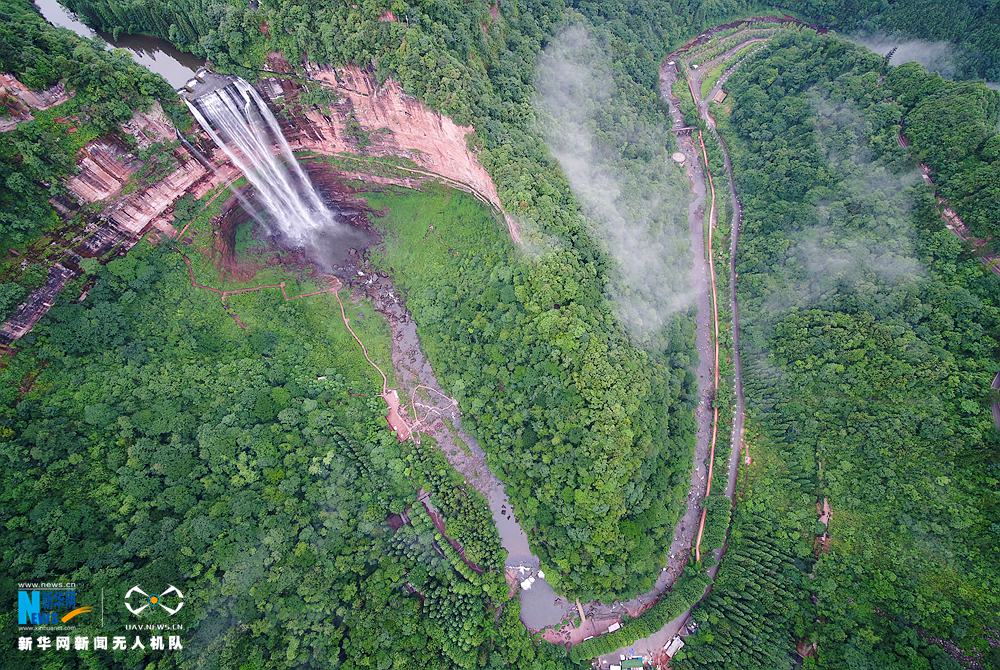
x: 436, y: 414
x: 155, y: 54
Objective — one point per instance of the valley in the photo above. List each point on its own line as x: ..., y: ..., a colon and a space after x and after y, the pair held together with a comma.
x: 351, y: 339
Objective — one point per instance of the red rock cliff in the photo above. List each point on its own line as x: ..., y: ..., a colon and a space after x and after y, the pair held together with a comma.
x: 396, y: 124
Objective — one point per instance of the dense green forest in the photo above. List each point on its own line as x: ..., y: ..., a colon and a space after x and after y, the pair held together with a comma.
x: 869, y: 347
x: 148, y: 438
x: 603, y: 418
x: 471, y: 297
x: 107, y: 87
x: 953, y: 127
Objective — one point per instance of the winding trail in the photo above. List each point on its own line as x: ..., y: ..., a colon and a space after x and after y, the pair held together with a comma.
x: 712, y: 221
x: 739, y: 410
x: 541, y: 606
x: 704, y: 111
x: 953, y: 221
x: 364, y: 349
x: 225, y: 293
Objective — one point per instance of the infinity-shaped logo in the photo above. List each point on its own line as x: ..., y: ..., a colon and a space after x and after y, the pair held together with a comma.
x: 147, y: 601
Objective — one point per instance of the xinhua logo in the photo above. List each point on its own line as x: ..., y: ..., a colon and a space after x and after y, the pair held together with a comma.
x: 170, y: 601
x: 48, y: 607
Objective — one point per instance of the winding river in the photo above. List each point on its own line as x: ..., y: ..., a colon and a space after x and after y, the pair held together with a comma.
x: 155, y: 54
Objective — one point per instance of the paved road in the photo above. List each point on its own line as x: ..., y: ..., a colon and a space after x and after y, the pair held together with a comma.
x: 736, y: 207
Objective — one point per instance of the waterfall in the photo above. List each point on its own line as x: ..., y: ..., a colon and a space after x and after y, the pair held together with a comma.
x: 239, y: 121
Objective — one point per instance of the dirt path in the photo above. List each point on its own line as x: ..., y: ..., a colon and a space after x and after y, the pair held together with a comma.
x: 739, y: 409
x: 439, y: 524
x: 739, y: 406
x: 602, y: 615
x: 364, y: 349
x: 712, y: 222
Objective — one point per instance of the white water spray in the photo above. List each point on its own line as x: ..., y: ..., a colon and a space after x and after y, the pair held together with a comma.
x: 239, y: 122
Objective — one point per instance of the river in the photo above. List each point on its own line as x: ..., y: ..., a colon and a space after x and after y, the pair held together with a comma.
x: 155, y: 54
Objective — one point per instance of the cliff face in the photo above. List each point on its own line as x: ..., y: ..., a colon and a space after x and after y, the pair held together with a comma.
x: 381, y: 120
x: 38, y: 303
x: 367, y: 119
x: 103, y: 168
x: 20, y: 100
x: 150, y: 127
x: 153, y: 206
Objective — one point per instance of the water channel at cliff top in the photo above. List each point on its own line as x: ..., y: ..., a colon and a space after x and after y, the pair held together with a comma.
x: 154, y: 54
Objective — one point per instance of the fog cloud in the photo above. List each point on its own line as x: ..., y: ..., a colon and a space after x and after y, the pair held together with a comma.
x: 860, y: 238
x: 619, y: 169
x: 935, y: 56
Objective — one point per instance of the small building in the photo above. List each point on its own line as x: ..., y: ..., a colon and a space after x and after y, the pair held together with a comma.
x: 673, y: 646
x: 613, y: 627
x: 678, y: 157
x: 719, y: 97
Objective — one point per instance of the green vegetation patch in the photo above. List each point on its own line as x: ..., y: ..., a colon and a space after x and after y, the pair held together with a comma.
x: 35, y: 158
x: 953, y: 127
x: 157, y: 440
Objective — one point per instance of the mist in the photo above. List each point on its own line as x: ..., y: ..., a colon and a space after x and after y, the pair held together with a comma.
x: 860, y: 239
x: 934, y: 56
x: 632, y: 196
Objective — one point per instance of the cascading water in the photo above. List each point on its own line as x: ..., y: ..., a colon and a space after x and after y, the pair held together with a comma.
x: 239, y: 122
